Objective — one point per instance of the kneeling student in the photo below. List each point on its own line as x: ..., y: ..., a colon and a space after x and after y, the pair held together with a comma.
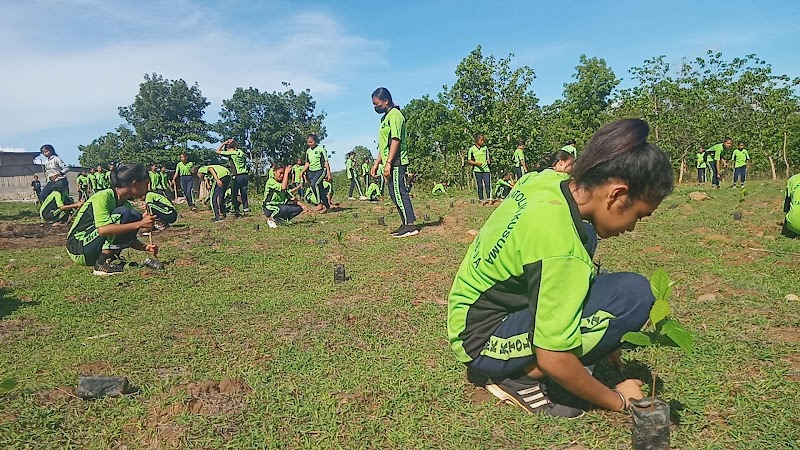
x: 503, y: 186
x: 107, y: 223
x: 278, y: 202
x: 57, y: 208
x: 438, y: 189
x: 160, y: 206
x: 373, y: 191
x: 791, y: 207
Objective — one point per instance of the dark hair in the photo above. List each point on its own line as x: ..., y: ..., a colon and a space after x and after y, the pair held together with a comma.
x: 520, y: 142
x: 124, y: 175
x: 727, y: 140
x: 741, y: 143
x: 551, y: 159
x: 279, y: 166
x: 314, y: 137
x: 184, y: 153
x: 476, y: 136
x: 571, y: 142
x: 382, y: 94
x: 620, y: 151
x: 49, y: 148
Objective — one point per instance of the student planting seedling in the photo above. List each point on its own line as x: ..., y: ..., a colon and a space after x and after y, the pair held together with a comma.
x: 219, y: 179
x: 278, y: 202
x: 522, y: 311
x: 503, y: 186
x: 57, y: 208
x: 438, y: 189
x: 373, y: 191
x: 107, y: 223
x: 714, y: 158
x: 161, y: 207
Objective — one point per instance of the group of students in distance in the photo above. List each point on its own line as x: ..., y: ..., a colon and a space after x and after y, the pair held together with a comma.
x: 711, y: 162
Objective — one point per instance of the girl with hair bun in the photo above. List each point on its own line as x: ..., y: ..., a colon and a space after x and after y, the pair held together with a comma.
x: 526, y: 304
x: 107, y: 223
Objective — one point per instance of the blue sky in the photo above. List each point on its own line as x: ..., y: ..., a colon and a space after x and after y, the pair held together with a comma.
x: 68, y: 64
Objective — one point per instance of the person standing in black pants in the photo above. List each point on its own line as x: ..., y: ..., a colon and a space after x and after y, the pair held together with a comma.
x: 184, y: 172
x: 392, y: 151
x: 240, y: 178
x: 319, y: 170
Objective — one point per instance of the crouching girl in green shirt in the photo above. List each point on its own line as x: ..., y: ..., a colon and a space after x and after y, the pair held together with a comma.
x: 526, y: 305
x: 107, y: 223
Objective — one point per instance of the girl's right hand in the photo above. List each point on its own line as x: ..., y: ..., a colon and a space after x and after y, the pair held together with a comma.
x: 631, y: 389
x: 219, y: 183
x: 147, y: 221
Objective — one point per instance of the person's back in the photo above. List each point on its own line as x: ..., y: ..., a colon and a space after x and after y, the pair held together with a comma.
x: 791, y: 207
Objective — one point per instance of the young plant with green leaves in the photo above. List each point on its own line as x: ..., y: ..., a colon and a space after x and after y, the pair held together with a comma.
x: 660, y: 329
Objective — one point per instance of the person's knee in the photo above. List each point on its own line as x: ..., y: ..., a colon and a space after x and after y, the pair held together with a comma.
x: 632, y: 293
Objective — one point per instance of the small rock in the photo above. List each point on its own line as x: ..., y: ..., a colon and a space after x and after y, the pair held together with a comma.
x: 427, y: 217
x: 355, y: 215
x: 791, y: 298
x: 472, y: 232
x: 257, y: 227
x: 96, y: 386
x: 737, y: 215
x: 322, y: 241
x: 472, y: 200
x: 707, y: 297
x: 382, y: 221
x: 698, y: 196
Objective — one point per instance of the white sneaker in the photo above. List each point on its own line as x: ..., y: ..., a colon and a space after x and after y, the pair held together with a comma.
x: 271, y: 223
x: 351, y: 198
x: 362, y: 198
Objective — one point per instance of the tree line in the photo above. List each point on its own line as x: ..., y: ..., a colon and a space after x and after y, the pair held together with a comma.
x: 697, y: 102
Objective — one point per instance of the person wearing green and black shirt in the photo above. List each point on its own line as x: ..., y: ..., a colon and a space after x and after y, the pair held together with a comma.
x: 526, y: 305
x: 791, y: 207
x: 92, y: 182
x: 741, y: 161
x: 701, y: 165
x: 83, y: 186
x: 478, y: 158
x: 352, y: 177
x: 161, y: 207
x: 107, y: 223
x: 279, y: 203
x: 240, y: 176
x: 393, y: 154
x: 373, y: 191
x: 165, y: 182
x: 714, y: 158
x: 570, y: 148
x: 297, y: 177
x: 365, y: 172
x: 438, y: 189
x: 58, y: 207
x: 155, y: 179
x: 318, y: 169
x: 503, y: 186
x: 183, y: 174
x: 219, y: 178
x: 100, y: 182
x: 520, y: 168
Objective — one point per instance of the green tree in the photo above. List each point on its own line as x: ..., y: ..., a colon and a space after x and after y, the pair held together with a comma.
x: 362, y: 152
x: 586, y: 100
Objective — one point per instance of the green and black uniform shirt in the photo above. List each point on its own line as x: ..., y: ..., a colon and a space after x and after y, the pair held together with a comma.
x: 83, y: 182
x: 50, y: 210
x: 529, y: 255
x: 221, y: 172
x: 297, y: 171
x: 365, y: 169
x: 438, y: 188
x: 316, y: 158
x: 372, y: 191
x: 740, y: 158
x: 155, y: 180
x: 238, y: 159
x: 393, y: 126
x: 714, y: 153
x: 479, y: 155
x: 97, y: 212
x: 100, y: 181
x: 348, y: 167
x: 184, y: 169
x: 519, y: 157
x: 701, y: 161
x: 274, y: 194
x: 792, y: 207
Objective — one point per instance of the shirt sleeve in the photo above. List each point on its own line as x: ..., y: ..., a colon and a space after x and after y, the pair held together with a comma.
x: 396, y: 127
x: 558, y: 306
x: 228, y: 152
x: 102, y: 213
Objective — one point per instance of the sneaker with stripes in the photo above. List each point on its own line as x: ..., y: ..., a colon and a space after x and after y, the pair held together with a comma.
x: 530, y: 396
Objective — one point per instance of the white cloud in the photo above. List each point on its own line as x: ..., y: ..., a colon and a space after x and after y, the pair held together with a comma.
x: 69, y: 73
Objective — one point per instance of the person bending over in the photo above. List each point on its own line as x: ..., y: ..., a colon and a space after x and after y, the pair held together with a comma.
x: 279, y: 203
x: 57, y: 208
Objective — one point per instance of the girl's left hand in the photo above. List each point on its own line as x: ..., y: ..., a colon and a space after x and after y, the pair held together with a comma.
x: 151, y: 248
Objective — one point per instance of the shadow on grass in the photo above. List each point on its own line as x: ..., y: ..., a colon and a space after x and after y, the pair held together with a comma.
x: 9, y: 303
x: 24, y: 214
x: 435, y: 223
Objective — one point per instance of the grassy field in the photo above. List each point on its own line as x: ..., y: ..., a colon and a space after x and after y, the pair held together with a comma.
x: 245, y: 341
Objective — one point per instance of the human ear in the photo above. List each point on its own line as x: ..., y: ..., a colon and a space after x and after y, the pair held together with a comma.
x: 617, y: 193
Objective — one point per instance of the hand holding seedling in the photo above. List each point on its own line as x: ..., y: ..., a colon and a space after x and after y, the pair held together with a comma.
x: 147, y: 221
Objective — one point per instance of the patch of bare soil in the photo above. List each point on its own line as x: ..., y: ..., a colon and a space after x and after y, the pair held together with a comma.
x: 95, y: 368
x: 479, y: 395
x: 32, y: 235
x: 15, y: 328
x: 56, y: 396
x: 206, y: 398
x: 785, y: 334
x: 718, y: 238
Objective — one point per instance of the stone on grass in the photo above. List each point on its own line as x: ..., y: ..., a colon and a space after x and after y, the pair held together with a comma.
x: 707, y: 297
x: 791, y: 298
x: 698, y: 196
x: 737, y: 215
x: 96, y: 386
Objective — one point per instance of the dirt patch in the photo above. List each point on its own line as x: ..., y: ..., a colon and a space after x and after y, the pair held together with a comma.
x: 479, y: 395
x: 16, y: 328
x: 95, y: 368
x: 27, y: 235
x: 7, y: 418
x: 701, y: 230
x: 185, y: 262
x: 653, y: 249
x: 718, y: 237
x: 785, y: 334
x: 55, y: 396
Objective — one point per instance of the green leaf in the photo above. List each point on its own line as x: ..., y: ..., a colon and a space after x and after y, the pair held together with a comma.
x: 637, y: 338
x: 661, y: 285
x: 659, y: 312
x: 8, y: 384
x: 675, y: 331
